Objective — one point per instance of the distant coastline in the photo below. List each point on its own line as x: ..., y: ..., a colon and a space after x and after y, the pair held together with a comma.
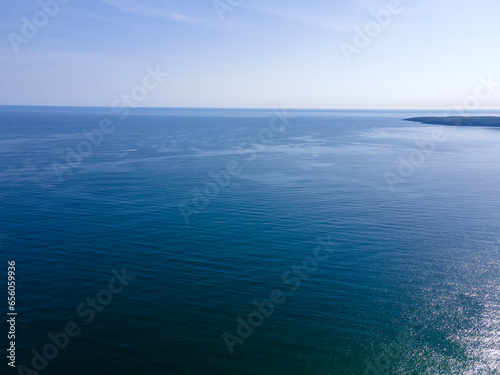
x: 489, y: 121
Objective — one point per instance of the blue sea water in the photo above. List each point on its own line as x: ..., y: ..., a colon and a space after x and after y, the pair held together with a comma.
x: 209, y: 211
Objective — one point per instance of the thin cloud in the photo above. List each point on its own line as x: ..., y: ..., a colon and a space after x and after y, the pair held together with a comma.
x: 332, y: 22
x: 174, y: 14
x: 143, y: 10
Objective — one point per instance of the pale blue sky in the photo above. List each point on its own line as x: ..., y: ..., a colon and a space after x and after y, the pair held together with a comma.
x: 264, y: 53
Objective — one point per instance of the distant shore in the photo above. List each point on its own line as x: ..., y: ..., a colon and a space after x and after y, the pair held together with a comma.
x: 490, y: 121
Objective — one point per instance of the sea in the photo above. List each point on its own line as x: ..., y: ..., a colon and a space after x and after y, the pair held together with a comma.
x: 184, y: 241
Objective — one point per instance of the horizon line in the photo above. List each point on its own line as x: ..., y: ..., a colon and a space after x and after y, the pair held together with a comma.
x: 248, y: 108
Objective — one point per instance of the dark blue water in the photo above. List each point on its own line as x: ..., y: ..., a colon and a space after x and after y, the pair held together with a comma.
x: 210, y: 211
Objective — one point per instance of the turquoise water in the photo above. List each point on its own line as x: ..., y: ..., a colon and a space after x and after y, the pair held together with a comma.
x: 210, y: 211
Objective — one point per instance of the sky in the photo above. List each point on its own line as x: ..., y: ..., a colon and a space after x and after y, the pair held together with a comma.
x: 351, y: 54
